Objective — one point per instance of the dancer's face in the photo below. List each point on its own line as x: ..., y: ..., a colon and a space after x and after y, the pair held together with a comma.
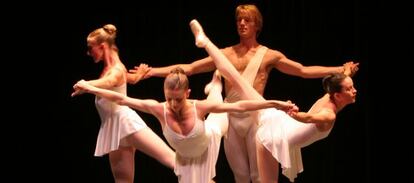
x: 95, y: 51
x: 348, y: 92
x: 246, y: 25
x: 176, y: 99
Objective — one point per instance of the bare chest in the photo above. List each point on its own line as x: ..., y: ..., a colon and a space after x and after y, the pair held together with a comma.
x: 241, y: 62
x: 181, y: 124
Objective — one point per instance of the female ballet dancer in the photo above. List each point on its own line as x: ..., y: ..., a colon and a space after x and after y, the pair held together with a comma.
x: 121, y: 131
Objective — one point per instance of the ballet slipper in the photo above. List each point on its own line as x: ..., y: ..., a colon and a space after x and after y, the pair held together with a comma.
x: 215, y: 82
x: 201, y: 39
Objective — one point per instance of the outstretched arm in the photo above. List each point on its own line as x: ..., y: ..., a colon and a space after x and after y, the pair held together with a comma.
x: 323, y: 116
x: 113, y: 77
x: 320, y: 112
x: 249, y: 105
x: 350, y: 68
x: 291, y: 67
x: 137, y: 73
x: 198, y: 66
x: 121, y: 99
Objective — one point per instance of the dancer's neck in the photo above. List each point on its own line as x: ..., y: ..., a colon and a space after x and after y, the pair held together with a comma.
x: 248, y: 42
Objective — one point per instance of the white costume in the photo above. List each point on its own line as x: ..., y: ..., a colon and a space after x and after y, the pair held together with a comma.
x: 116, y: 123
x: 197, y: 152
x: 284, y: 137
x: 240, y: 140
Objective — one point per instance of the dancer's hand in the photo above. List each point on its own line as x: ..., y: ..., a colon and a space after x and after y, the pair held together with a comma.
x: 350, y: 68
x: 80, y: 87
x: 288, y: 106
x: 140, y: 72
x: 293, y: 109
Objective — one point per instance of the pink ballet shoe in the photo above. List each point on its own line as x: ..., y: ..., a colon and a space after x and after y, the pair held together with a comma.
x: 201, y: 39
x: 215, y: 82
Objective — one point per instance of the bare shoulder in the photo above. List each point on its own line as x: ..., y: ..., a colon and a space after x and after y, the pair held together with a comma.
x: 116, y: 72
x: 118, y: 68
x: 272, y: 58
x: 227, y: 50
x: 203, y: 106
x: 329, y: 113
x: 157, y: 108
x: 274, y: 54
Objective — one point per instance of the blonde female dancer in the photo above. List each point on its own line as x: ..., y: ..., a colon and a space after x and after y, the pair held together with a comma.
x: 121, y: 131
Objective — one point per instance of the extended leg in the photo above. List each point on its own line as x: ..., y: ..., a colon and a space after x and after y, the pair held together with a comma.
x: 237, y: 157
x: 223, y: 64
x: 267, y: 165
x: 122, y: 164
x: 151, y: 144
x: 213, y: 91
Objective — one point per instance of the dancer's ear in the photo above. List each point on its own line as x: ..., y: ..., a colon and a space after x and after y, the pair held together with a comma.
x: 187, y: 93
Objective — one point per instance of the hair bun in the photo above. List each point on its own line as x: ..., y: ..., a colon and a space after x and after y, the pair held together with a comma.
x: 110, y: 29
x: 177, y: 70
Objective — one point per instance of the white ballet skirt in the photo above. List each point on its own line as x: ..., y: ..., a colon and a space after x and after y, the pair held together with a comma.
x: 284, y: 137
x: 197, y: 152
x: 117, y: 122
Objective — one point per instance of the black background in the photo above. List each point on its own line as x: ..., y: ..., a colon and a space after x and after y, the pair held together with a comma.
x: 48, y: 53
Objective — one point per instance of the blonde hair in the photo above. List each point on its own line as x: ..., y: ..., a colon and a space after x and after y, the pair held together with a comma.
x: 252, y: 11
x: 105, y: 34
x: 176, y: 80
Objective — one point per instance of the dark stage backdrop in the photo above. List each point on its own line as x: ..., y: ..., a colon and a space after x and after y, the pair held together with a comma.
x: 157, y: 33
